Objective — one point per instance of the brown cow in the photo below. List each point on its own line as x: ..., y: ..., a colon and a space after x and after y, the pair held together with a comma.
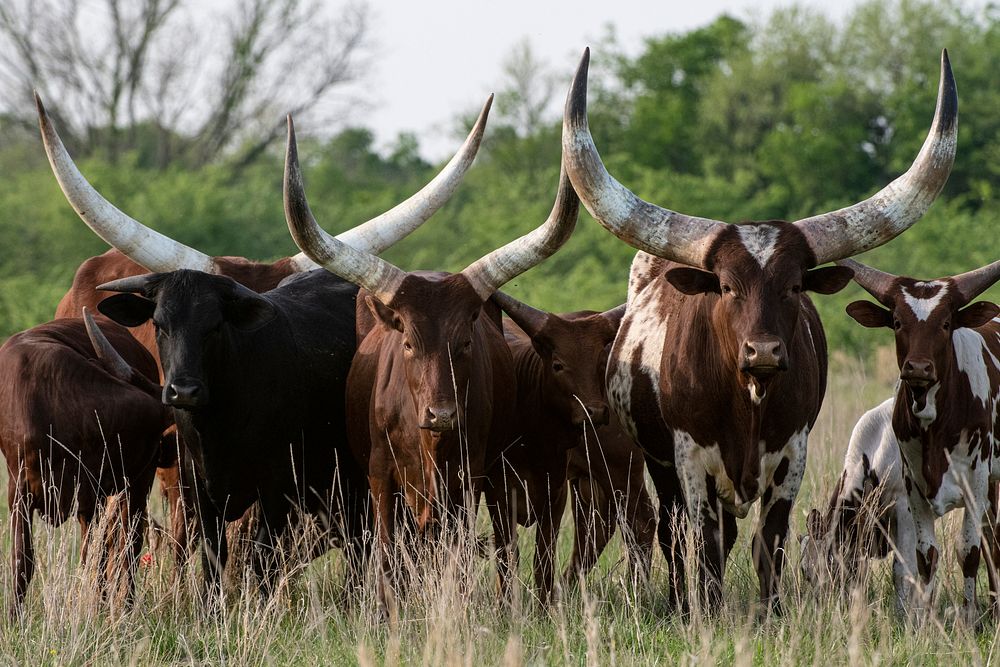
x: 137, y: 249
x: 76, y: 431
x: 945, y: 416
x: 563, y: 434
x: 719, y: 367
x: 432, y: 386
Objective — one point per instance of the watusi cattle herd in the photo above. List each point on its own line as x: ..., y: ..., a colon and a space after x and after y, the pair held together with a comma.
x: 338, y: 390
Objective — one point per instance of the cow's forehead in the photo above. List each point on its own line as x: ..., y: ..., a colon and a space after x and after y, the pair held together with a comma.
x: 924, y: 297
x: 767, y: 247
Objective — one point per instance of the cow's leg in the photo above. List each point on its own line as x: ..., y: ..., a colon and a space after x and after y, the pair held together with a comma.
x: 133, y: 527
x: 641, y: 523
x: 272, y: 526
x: 904, y: 558
x: 504, y: 540
x: 670, y: 529
x: 990, y: 547
x: 969, y: 552
x: 716, y: 534
x: 772, y: 529
x: 591, y: 532
x: 384, y: 503
x: 926, y: 547
x: 546, y: 535
x: 22, y: 552
x: 215, y: 548
x: 355, y: 515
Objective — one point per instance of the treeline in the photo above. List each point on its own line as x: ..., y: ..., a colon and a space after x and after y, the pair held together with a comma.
x: 773, y: 120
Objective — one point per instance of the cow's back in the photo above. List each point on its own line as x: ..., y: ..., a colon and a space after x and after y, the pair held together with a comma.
x: 61, y: 411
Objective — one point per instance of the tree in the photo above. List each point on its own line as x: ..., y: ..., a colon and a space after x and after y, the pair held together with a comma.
x: 191, y: 90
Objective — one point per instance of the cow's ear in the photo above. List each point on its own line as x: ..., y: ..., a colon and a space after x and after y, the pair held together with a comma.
x: 977, y: 314
x: 249, y: 312
x: 128, y: 310
x: 870, y: 315
x: 693, y: 281
x: 384, y: 314
x: 827, y: 279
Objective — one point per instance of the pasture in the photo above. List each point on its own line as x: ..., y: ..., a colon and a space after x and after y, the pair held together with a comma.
x: 450, y: 614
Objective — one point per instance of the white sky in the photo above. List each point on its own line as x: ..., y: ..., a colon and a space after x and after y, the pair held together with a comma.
x: 436, y: 58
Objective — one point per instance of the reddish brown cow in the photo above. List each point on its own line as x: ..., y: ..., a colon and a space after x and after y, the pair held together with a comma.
x: 137, y: 249
x: 432, y: 389
x: 76, y: 431
x: 559, y: 361
x: 719, y: 367
x: 945, y: 416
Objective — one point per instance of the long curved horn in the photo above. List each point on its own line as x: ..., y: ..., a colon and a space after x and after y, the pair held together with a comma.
x: 897, y: 206
x: 144, y: 246
x: 645, y: 226
x: 973, y: 283
x: 381, y: 232
x: 106, y: 353
x: 129, y: 285
x: 875, y: 282
x: 488, y: 273
x: 358, y: 266
x: 531, y: 320
x: 615, y: 315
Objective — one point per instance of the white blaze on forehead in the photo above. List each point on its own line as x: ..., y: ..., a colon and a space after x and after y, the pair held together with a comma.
x: 923, y: 307
x: 760, y: 241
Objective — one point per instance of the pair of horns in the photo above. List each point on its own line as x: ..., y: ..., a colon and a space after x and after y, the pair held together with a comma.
x: 879, y: 283
x: 159, y: 253
x: 831, y: 236
x: 531, y: 320
x: 383, y: 279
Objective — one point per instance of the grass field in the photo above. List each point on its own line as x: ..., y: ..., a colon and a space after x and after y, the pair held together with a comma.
x: 450, y: 614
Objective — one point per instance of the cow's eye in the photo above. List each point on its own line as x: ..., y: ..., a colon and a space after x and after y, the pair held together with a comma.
x: 407, y: 346
x: 947, y: 325
x: 726, y: 289
x: 557, y: 367
x: 896, y: 324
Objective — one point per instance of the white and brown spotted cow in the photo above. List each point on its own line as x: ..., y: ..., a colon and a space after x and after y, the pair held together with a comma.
x: 719, y: 368
x: 860, y: 519
x: 945, y: 413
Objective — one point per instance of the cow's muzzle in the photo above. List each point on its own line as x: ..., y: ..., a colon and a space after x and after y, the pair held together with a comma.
x: 440, y: 418
x: 185, y: 393
x: 595, y: 413
x: 763, y: 357
x: 918, y: 373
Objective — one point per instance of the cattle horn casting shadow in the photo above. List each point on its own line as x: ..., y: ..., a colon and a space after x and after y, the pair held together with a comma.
x: 161, y: 254
x: 833, y: 235
x: 382, y: 278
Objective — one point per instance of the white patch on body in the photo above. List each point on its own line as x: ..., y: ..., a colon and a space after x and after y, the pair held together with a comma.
x: 643, y: 328
x: 755, y: 394
x: 923, y: 307
x: 760, y: 241
x: 970, y: 353
x: 873, y: 437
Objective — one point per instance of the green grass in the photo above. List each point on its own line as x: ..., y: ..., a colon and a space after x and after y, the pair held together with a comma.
x: 450, y: 614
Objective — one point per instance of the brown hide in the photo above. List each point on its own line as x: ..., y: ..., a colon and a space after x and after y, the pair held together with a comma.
x: 73, y: 434
x: 560, y: 372
x: 388, y: 389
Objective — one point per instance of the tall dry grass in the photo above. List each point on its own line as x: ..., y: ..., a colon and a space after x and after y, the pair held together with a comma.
x: 447, y: 612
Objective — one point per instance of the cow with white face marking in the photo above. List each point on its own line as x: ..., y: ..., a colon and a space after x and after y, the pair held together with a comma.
x: 719, y: 366
x: 945, y: 413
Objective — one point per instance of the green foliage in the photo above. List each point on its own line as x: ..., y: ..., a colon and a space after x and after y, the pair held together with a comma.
x: 775, y: 120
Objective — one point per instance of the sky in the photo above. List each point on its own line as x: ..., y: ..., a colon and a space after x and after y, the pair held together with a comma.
x: 435, y: 59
